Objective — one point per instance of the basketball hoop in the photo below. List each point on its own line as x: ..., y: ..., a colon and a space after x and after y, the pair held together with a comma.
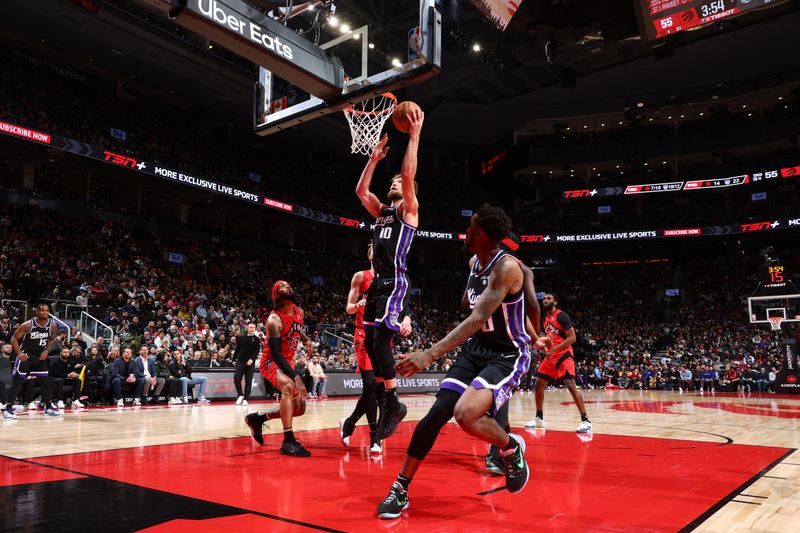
x: 366, y: 120
x: 775, y: 322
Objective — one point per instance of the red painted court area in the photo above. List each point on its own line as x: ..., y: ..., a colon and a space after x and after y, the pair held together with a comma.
x: 610, y: 483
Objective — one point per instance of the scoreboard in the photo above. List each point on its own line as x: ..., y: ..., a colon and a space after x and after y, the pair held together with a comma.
x: 660, y: 18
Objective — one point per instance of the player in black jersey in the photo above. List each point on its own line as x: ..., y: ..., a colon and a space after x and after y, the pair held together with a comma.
x: 32, y: 342
x: 395, y: 226
x: 494, y: 356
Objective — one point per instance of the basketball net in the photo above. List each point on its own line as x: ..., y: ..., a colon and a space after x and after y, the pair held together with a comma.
x: 366, y: 120
x: 775, y: 322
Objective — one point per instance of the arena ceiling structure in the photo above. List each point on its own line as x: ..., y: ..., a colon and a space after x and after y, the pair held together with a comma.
x: 555, y: 60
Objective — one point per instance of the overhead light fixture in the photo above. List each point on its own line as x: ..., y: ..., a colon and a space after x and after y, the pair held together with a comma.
x: 396, y: 62
x: 701, y: 113
x: 640, y: 104
x: 645, y: 164
x: 603, y: 124
x: 749, y: 114
x: 333, y: 21
x: 371, y: 46
x: 476, y: 47
x: 617, y: 166
x: 650, y: 119
x: 567, y: 128
x: 780, y: 98
x: 344, y: 28
x: 312, y: 7
x: 663, y: 162
x: 683, y: 116
x: 744, y: 106
x: 585, y: 126
x: 210, y: 46
x: 594, y: 168
x: 669, y: 118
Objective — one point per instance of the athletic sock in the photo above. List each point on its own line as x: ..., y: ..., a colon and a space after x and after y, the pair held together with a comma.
x: 392, y: 403
x: 512, y: 444
x: 584, y: 418
x: 540, y: 414
x: 288, y: 435
x: 404, y: 481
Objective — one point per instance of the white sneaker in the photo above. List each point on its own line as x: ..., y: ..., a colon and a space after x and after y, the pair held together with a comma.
x: 202, y: 399
x: 76, y: 404
x: 585, y: 427
x: 120, y: 403
x: 375, y: 449
x: 244, y: 402
x: 345, y: 440
x: 33, y: 406
x: 185, y: 399
x: 60, y: 404
x: 137, y: 402
x: 680, y: 389
x: 173, y: 400
x: 535, y: 423
x: 8, y: 413
x: 239, y: 400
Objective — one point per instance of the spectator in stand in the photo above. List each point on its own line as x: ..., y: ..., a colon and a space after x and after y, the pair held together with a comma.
x: 708, y: 378
x: 773, y: 375
x: 144, y: 368
x: 761, y: 380
x: 95, y: 377
x: 685, y: 379
x: 122, y: 375
x: 163, y: 372
x: 66, y: 371
x: 179, y: 369
x: 318, y: 378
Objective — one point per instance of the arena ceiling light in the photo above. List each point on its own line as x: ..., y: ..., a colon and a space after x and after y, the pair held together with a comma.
x: 333, y: 21
x: 476, y: 47
x: 396, y: 62
x: 344, y: 27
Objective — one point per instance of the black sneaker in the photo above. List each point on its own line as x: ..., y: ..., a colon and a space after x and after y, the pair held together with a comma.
x: 295, y: 449
x: 494, y: 462
x: 391, y: 420
x: 346, y: 429
x: 393, y: 504
x: 517, y: 472
x: 253, y: 421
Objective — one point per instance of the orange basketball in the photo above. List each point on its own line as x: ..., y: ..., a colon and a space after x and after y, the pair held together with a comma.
x: 400, y: 116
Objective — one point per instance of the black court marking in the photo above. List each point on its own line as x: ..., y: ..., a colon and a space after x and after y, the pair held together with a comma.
x: 683, y: 447
x: 491, y: 491
x: 792, y: 464
x: 645, y: 455
x: 728, y: 440
x: 753, y: 496
x: 750, y: 503
x: 694, y: 524
x: 211, y: 509
x: 775, y: 477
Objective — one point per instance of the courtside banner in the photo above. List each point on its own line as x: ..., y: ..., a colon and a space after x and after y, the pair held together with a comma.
x: 220, y: 383
x: 145, y: 167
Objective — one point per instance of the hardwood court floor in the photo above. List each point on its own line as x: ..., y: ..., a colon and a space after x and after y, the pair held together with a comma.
x: 657, y: 461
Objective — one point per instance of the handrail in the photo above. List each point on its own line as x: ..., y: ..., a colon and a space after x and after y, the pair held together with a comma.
x: 83, y: 322
x: 64, y: 324
x: 23, y: 302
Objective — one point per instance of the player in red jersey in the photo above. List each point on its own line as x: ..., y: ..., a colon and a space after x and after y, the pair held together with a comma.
x: 368, y: 402
x: 284, y: 328
x: 558, y: 362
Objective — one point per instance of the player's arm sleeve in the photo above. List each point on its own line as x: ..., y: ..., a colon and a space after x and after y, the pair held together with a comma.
x: 274, y: 346
x: 406, y: 311
x: 564, y: 321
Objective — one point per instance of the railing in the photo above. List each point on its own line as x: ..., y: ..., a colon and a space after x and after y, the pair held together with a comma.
x: 8, y: 303
x: 335, y: 341
x: 63, y: 325
x: 93, y: 328
x: 73, y: 311
x: 56, y: 306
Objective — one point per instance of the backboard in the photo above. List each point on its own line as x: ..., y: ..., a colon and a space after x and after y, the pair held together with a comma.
x: 761, y: 308
x: 401, y: 50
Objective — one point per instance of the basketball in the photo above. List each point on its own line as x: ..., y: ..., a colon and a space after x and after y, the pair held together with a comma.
x: 400, y: 116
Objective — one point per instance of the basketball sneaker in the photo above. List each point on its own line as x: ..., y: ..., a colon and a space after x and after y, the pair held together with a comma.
x: 394, y: 503
x: 239, y: 400
x: 137, y: 402
x: 294, y: 448
x: 391, y: 420
x: 244, y: 402
x: 375, y: 447
x: 76, y: 404
x: 517, y: 472
x: 8, y: 413
x: 494, y: 462
x: 120, y: 403
x: 346, y: 429
x: 52, y: 410
x: 255, y: 422
x: 535, y: 423
x: 60, y: 404
x: 33, y: 406
x: 585, y: 427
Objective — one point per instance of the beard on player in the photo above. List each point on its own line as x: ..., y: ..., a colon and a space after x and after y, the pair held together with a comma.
x: 547, y: 306
x: 286, y: 294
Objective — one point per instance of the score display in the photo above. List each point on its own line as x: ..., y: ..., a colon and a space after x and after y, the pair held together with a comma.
x: 660, y: 18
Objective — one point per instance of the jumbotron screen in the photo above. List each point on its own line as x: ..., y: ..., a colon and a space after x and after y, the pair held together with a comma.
x: 661, y: 18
